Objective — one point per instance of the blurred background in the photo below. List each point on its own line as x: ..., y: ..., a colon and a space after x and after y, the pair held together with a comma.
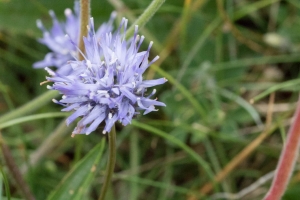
x: 233, y: 69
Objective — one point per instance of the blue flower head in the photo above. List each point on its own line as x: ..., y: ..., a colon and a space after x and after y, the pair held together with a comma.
x: 62, y: 50
x: 107, y: 86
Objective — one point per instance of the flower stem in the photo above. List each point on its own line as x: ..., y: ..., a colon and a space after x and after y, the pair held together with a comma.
x: 111, y: 162
x: 84, y: 22
x: 287, y: 160
x: 146, y: 16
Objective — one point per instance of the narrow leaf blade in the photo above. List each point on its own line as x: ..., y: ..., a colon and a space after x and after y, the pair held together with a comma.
x: 75, y: 182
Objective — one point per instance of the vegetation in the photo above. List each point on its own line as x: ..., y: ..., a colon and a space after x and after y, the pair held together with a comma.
x: 232, y: 70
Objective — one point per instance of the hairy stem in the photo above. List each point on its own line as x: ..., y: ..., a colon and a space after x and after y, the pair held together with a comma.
x: 84, y: 22
x: 111, y: 162
x: 287, y: 160
x: 146, y: 16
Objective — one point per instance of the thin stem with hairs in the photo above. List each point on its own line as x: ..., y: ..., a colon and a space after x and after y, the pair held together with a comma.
x: 111, y: 162
x: 84, y: 22
x: 146, y: 16
x: 287, y: 160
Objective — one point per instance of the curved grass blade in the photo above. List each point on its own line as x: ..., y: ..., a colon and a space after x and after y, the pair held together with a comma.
x: 76, y: 182
x: 31, y: 106
x: 5, y: 184
x: 248, y: 107
x: 286, y: 84
x: 32, y: 118
x: 182, y: 145
x: 185, y: 92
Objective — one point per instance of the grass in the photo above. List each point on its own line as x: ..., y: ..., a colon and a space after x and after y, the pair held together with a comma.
x: 220, y: 122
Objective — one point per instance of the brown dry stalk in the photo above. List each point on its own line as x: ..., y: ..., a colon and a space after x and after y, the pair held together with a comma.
x: 14, y: 170
x: 244, y: 153
x: 173, y: 35
x: 235, y: 32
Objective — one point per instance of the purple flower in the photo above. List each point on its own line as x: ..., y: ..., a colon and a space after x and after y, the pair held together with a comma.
x: 62, y: 50
x: 107, y: 86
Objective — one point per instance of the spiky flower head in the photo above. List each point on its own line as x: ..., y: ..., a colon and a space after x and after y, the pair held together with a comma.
x: 62, y: 50
x: 108, y: 84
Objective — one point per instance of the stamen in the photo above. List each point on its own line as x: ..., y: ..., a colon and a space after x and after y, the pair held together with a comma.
x: 68, y: 12
x: 42, y: 83
x: 40, y: 25
x: 153, y: 60
x: 50, y: 72
x: 77, y: 48
x: 51, y: 13
x: 150, y: 45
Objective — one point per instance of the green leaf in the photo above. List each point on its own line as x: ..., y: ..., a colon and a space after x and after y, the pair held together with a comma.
x: 76, y: 182
x: 6, y: 184
x: 292, y: 192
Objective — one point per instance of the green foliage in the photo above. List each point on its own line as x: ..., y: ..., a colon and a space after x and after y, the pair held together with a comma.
x: 217, y: 99
x: 292, y: 192
x: 4, y: 180
x: 76, y: 183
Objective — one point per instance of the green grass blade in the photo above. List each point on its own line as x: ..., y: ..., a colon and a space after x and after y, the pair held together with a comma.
x: 31, y: 106
x: 5, y: 183
x: 247, y: 106
x: 32, y: 118
x: 291, y: 83
x: 134, y: 163
x: 182, y: 145
x: 183, y: 90
x: 80, y: 177
x: 246, y: 62
x: 162, y: 185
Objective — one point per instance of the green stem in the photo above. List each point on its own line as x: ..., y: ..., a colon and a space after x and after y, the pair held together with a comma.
x: 78, y: 149
x: 134, y: 163
x: 30, y: 107
x: 111, y: 162
x: 145, y: 17
x: 5, y: 180
x: 84, y: 22
x: 122, y: 9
